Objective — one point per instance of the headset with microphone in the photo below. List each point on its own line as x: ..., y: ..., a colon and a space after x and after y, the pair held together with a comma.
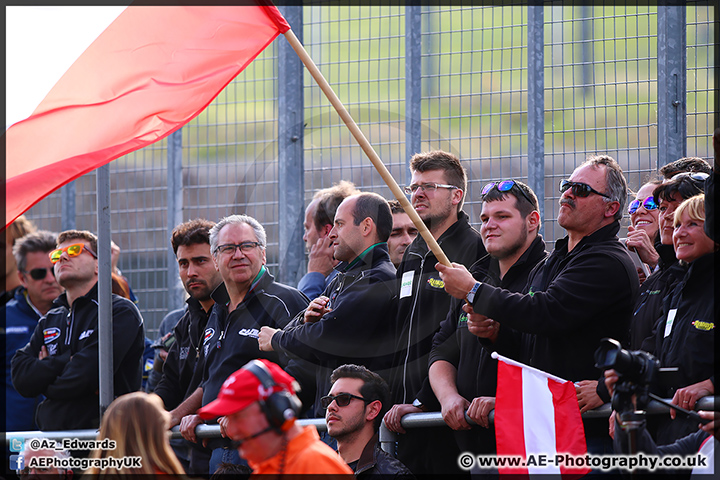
x: 281, y: 408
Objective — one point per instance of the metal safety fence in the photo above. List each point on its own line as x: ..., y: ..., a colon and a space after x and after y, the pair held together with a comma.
x: 516, y: 91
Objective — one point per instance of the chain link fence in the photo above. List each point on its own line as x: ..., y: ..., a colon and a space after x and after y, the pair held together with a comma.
x: 515, y: 91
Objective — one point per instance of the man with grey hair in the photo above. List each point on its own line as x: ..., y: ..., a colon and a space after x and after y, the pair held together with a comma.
x: 37, y: 466
x: 31, y: 301
x: 584, y: 292
x: 248, y: 299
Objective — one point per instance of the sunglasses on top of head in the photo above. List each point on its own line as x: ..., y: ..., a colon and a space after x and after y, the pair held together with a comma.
x: 579, y: 189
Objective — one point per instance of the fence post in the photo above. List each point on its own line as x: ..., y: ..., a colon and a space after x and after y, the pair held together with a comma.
x: 67, y: 207
x: 413, y: 86
x: 174, y: 217
x: 672, y: 83
x: 291, y: 164
x: 536, y: 105
x: 105, y: 319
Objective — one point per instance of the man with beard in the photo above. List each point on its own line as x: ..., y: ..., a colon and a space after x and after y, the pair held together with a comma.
x: 462, y: 373
x: 437, y: 192
x: 584, y: 292
x: 180, y: 378
x: 354, y: 407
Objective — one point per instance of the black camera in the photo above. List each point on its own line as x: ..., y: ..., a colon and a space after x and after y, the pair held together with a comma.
x: 638, y: 367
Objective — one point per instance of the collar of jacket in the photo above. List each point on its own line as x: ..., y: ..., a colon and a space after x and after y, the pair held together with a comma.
x: 220, y: 294
x: 667, y: 255
x: 376, y: 254
x: 92, y: 294
x: 368, y: 457
x: 702, y: 269
x: 608, y: 232
x: 463, y: 223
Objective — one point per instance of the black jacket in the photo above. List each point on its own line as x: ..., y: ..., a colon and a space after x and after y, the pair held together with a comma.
x: 423, y: 304
x: 574, y: 300
x: 180, y: 378
x: 688, y: 342
x: 476, y: 370
x: 375, y: 461
x: 360, y: 327
x: 230, y: 339
x: 71, y: 384
x: 649, y: 305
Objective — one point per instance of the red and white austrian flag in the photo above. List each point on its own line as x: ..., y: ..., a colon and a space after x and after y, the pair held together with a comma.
x: 537, y: 417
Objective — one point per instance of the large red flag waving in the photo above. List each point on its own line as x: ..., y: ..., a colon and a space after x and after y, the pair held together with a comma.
x: 150, y: 72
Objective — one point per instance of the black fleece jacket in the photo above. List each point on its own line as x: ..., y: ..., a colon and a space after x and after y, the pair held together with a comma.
x: 423, y: 303
x: 68, y: 377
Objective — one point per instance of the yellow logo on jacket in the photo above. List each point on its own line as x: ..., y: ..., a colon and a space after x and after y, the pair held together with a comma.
x: 704, y: 326
x: 436, y: 283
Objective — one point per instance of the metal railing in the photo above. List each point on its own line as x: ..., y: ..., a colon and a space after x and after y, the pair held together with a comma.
x: 387, y: 438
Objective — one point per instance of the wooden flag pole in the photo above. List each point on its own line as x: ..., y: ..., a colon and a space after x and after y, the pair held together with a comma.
x: 367, y: 148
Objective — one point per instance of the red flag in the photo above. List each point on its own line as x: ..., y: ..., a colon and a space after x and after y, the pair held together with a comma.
x: 150, y: 72
x: 537, y: 414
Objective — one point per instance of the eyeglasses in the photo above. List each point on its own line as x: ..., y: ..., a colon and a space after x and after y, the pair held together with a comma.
x: 72, y: 250
x: 40, y: 273
x: 648, y: 204
x: 426, y: 187
x: 579, y: 189
x: 341, y: 399
x: 504, y: 186
x: 229, y: 248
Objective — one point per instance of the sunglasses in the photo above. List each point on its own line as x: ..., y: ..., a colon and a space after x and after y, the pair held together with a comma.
x: 504, y: 186
x: 341, y: 399
x: 579, y: 189
x: 700, y: 176
x: 648, y: 204
x: 72, y: 250
x: 39, y: 273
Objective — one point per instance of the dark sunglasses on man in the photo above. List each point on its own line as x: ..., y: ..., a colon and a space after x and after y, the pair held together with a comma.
x: 579, y: 189
x: 39, y: 273
x: 341, y: 399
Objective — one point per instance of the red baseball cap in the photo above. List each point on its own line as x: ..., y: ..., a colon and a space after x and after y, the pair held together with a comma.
x: 243, y: 387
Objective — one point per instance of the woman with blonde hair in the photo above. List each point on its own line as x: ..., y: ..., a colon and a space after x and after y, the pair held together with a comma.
x: 138, y: 424
x: 686, y: 332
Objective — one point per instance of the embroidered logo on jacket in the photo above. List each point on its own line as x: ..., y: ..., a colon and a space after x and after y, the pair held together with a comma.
x: 462, y: 320
x: 249, y: 332
x: 209, y: 332
x: 704, y: 326
x: 51, y: 334
x: 184, y: 352
x: 436, y: 283
x: 85, y: 334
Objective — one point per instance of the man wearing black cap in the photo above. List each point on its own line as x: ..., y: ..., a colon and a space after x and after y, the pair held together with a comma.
x: 258, y: 405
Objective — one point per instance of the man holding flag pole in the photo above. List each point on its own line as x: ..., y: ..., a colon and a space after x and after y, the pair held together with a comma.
x: 583, y: 293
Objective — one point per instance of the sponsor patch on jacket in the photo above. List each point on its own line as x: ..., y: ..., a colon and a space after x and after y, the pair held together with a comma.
x: 249, y: 332
x: 85, y: 334
x: 184, y: 352
x: 209, y: 332
x: 436, y: 283
x: 462, y: 320
x: 704, y: 326
x: 51, y: 334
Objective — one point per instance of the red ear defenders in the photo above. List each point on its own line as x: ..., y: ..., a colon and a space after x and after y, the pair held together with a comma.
x: 280, y: 408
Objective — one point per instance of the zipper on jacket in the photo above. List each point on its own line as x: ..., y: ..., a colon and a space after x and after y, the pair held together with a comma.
x: 412, y: 315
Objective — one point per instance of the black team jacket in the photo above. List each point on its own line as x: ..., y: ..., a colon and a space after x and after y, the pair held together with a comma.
x: 68, y: 377
x: 423, y: 303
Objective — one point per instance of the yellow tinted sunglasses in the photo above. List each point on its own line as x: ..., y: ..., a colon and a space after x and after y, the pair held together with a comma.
x: 72, y: 250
